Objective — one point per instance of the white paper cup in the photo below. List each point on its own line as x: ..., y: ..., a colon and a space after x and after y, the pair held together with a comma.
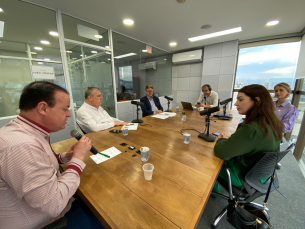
x: 148, y: 171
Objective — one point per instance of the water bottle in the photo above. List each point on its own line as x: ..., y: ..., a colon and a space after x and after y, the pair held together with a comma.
x: 177, y: 109
x: 183, y: 117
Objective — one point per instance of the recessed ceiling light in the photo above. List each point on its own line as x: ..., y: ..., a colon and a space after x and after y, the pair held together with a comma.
x: 164, y: 59
x: 98, y: 36
x: 205, y: 26
x: 38, y: 48
x: 107, y: 47
x: 45, y: 42
x: 272, y: 23
x: 39, y: 63
x: 46, y: 59
x: 125, y: 55
x: 128, y: 22
x: 68, y: 51
x: 53, y: 33
x: 1, y: 10
x: 93, y: 51
x: 34, y: 53
x: 144, y: 50
x: 220, y: 33
x: 173, y: 43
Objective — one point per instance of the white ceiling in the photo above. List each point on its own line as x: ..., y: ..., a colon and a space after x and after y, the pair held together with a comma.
x: 159, y: 22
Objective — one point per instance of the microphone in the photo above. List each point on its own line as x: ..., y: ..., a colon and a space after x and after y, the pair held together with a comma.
x: 77, y: 135
x: 209, y: 111
x: 137, y: 103
x: 168, y: 98
x: 205, y: 96
x: 226, y: 101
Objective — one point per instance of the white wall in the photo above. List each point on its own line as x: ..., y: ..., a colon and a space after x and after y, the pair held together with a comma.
x: 186, y: 83
x: 219, y: 63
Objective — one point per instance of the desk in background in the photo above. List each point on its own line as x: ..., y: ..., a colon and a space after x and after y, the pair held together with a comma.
x: 184, y: 175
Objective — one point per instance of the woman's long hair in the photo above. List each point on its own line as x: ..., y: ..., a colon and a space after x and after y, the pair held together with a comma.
x: 263, y: 110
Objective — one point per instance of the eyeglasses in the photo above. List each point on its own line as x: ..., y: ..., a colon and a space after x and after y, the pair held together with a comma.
x: 205, y: 90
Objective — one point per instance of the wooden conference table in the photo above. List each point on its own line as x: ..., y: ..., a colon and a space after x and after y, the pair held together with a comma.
x: 183, y: 177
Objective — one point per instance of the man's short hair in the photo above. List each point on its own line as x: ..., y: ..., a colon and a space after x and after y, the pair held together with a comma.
x: 89, y: 91
x: 208, y: 86
x: 37, y: 92
x: 149, y: 86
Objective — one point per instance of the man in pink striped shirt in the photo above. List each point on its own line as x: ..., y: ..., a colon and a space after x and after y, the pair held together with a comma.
x: 33, y: 192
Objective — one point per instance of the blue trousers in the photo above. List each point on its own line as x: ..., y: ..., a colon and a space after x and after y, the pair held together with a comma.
x: 80, y: 216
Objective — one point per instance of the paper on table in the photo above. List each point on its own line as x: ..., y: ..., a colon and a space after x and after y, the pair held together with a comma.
x: 112, y: 152
x: 130, y: 126
x: 170, y: 114
x: 160, y: 116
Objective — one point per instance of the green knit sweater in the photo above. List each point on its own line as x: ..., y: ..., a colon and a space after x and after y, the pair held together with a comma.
x: 246, y: 145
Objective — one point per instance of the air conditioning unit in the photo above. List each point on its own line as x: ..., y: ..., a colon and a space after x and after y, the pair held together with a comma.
x: 188, y: 57
x: 148, y: 65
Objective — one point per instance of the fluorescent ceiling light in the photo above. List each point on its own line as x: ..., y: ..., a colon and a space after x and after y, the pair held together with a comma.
x: 34, y: 53
x: 53, y: 33
x: 44, y: 42
x: 69, y: 51
x: 98, y: 36
x: 272, y: 23
x: 125, y: 55
x: 128, y: 22
x: 220, y: 33
x: 144, y: 50
x: 93, y: 51
x: 1, y: 28
x: 46, y: 59
x: 107, y: 47
x: 39, y: 63
x: 173, y: 43
x: 38, y: 48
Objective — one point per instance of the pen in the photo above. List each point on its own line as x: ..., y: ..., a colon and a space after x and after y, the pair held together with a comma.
x: 105, y: 155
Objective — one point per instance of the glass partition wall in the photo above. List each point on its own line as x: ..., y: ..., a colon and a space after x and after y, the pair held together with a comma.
x: 136, y: 67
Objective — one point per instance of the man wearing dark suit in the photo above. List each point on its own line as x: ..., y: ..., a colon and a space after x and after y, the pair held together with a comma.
x: 152, y: 103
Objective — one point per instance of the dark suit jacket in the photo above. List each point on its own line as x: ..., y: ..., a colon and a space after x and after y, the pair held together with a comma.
x: 146, y: 109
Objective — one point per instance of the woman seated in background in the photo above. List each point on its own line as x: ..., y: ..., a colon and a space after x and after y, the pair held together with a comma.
x: 260, y: 132
x: 286, y: 112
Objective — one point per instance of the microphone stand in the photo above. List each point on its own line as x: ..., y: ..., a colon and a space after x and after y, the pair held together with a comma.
x: 208, y: 137
x: 168, y: 102
x: 224, y: 117
x: 137, y: 120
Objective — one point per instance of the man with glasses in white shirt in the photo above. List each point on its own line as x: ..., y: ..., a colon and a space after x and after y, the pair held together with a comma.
x: 208, y: 98
x: 91, y: 117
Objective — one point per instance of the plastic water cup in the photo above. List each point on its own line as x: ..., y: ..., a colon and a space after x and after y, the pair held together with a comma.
x: 144, y: 153
x: 148, y: 171
x: 177, y: 109
x: 125, y: 132
x: 186, y: 138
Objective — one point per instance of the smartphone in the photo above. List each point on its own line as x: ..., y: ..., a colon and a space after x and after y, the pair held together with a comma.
x: 216, y: 133
x: 115, y: 131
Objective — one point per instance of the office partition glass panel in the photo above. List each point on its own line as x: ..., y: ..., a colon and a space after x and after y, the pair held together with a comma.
x: 26, y: 34
x: 15, y: 49
x: 90, y: 68
x: 136, y: 67
x: 79, y: 30
x: 14, y: 75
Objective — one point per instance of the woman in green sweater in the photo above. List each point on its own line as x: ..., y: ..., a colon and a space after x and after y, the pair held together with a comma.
x: 260, y: 132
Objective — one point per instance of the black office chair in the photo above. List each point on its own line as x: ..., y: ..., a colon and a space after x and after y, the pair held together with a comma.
x: 61, y: 223
x: 251, y: 180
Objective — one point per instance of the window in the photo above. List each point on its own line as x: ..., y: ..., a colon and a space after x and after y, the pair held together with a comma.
x: 267, y: 65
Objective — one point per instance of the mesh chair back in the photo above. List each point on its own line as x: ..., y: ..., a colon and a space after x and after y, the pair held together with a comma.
x: 263, y: 169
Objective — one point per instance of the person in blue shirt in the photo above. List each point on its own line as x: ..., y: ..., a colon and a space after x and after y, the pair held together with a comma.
x: 152, y: 103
